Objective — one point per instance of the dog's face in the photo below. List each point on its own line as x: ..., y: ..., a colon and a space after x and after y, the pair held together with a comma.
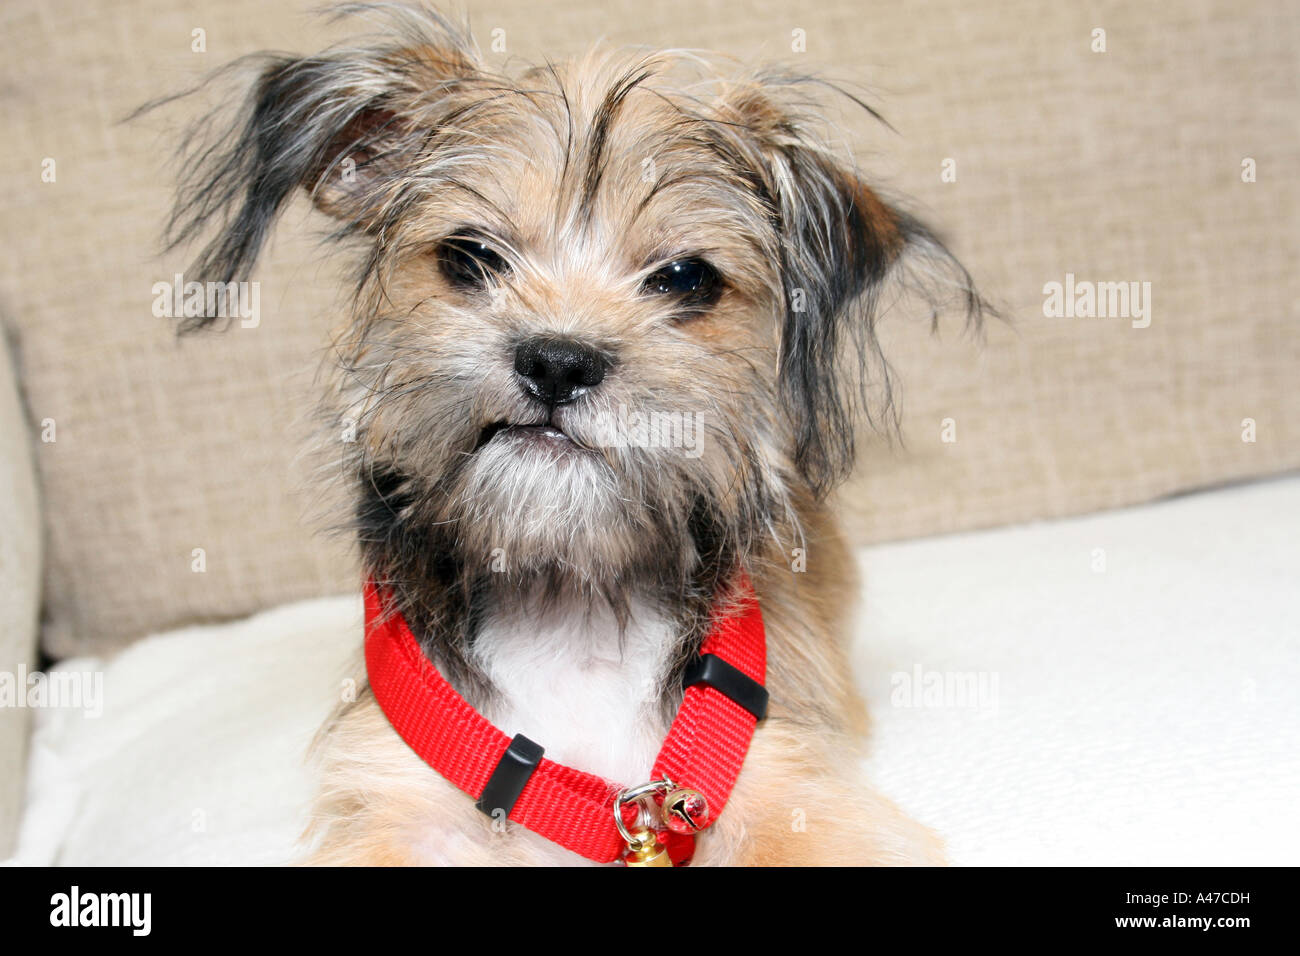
x: 601, y: 326
x: 571, y: 343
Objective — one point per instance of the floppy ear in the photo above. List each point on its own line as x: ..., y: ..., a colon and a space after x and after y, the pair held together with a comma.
x: 341, y: 125
x: 841, y: 249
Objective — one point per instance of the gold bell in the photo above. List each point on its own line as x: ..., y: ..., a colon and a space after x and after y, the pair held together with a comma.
x: 685, y: 811
x: 646, y: 849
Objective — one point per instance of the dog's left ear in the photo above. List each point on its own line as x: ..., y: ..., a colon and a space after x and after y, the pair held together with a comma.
x: 343, y: 125
x: 841, y: 248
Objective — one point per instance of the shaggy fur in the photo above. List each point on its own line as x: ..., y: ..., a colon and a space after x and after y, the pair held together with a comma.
x: 581, y: 182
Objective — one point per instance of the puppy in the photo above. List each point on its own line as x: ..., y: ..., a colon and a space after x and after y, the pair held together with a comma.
x: 548, y: 261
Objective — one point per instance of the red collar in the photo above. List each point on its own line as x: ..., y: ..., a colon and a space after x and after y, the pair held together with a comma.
x: 703, y: 752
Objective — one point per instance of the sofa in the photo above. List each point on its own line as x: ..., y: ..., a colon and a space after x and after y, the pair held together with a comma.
x: 1077, y: 636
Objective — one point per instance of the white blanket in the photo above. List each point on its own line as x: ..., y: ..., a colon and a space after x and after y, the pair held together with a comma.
x: 1115, y: 689
x: 1147, y: 713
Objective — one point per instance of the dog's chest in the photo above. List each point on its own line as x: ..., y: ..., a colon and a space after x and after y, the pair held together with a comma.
x: 570, y: 681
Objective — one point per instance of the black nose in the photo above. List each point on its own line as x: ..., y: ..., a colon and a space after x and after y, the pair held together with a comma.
x: 556, y: 370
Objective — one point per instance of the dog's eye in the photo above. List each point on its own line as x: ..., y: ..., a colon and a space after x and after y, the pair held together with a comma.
x: 468, y: 262
x: 692, y: 281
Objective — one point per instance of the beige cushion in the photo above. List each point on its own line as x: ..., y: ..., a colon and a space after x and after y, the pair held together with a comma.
x: 20, y: 592
x: 1123, y: 165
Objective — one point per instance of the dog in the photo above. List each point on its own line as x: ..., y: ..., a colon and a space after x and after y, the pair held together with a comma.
x: 547, y: 261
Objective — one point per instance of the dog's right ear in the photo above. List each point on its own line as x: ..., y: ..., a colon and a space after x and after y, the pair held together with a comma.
x: 838, y: 244
x: 341, y: 125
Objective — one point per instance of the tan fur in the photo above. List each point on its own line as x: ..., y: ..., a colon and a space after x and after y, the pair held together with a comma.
x: 799, y: 800
x: 585, y: 181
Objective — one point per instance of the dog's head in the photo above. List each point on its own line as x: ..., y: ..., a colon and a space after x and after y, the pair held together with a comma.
x: 613, y: 315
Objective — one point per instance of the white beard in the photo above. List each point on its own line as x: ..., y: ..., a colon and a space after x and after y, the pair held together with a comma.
x: 538, y: 503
